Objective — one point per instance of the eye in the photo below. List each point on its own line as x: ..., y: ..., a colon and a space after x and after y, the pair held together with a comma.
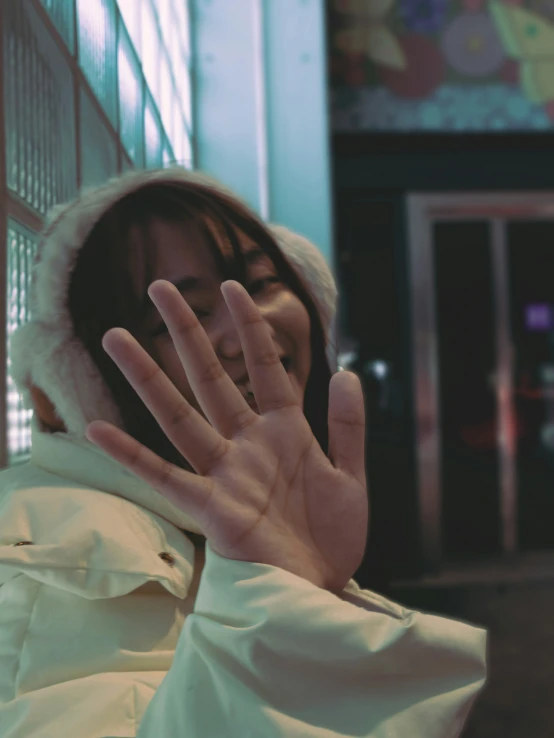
x: 162, y: 329
x: 259, y: 284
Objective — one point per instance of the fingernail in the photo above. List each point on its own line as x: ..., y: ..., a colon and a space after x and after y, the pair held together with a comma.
x: 152, y: 291
x: 227, y: 284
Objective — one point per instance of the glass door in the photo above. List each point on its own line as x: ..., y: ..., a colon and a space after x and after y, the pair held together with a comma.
x: 530, y: 257
x: 469, y: 461
x: 482, y: 274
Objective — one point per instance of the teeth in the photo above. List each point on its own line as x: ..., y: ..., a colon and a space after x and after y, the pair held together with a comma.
x: 245, y: 388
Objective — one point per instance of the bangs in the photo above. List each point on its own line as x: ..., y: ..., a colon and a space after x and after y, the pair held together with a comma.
x: 222, y: 225
x: 137, y: 212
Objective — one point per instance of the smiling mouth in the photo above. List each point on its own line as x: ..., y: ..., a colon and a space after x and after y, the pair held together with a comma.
x: 286, y: 362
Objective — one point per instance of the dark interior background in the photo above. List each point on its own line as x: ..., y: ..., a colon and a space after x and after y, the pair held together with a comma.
x: 372, y: 175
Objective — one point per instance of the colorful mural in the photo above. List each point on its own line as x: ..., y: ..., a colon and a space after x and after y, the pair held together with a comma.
x: 443, y: 65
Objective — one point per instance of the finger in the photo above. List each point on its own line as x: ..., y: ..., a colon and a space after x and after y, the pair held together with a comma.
x: 215, y: 391
x: 189, y: 432
x: 347, y: 424
x: 184, y: 489
x: 272, y: 387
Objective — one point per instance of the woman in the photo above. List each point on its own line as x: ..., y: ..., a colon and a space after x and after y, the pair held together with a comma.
x: 191, y: 431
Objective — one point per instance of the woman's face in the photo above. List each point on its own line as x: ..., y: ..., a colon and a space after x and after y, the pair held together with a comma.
x: 184, y: 258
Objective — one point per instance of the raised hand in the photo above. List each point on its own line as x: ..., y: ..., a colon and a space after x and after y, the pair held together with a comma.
x: 263, y: 491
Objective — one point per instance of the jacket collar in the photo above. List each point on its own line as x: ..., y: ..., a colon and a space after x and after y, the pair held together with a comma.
x: 79, y: 460
x: 75, y: 519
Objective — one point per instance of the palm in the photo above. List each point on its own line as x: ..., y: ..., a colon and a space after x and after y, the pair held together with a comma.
x: 276, y: 496
x: 264, y: 490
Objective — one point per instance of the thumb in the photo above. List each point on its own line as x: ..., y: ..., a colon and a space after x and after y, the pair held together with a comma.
x: 347, y: 424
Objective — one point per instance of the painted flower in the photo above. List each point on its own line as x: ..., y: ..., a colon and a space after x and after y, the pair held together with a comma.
x: 423, y: 16
x: 545, y: 8
x: 425, y: 69
x: 366, y: 32
x: 529, y: 39
x: 472, y: 46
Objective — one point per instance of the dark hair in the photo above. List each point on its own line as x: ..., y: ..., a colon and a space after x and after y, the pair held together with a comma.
x: 102, y: 296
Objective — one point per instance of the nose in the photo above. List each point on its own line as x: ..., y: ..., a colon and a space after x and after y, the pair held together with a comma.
x: 224, y: 335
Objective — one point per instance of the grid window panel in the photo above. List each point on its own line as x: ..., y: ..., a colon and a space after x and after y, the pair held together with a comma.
x: 98, y: 146
x: 131, y: 12
x: 177, y: 131
x: 176, y: 51
x: 62, y: 13
x: 21, y: 249
x: 131, y: 105
x: 182, y: 146
x: 152, y: 137
x: 97, y: 50
x: 167, y: 154
x: 167, y: 95
x: 39, y: 111
x: 184, y: 94
x: 187, y: 151
x: 150, y: 49
x: 182, y: 16
x: 126, y: 164
x: 166, y: 18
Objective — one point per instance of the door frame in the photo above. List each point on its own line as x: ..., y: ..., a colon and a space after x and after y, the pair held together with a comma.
x: 422, y: 210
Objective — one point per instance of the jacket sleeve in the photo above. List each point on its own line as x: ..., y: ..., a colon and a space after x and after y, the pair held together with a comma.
x: 266, y: 653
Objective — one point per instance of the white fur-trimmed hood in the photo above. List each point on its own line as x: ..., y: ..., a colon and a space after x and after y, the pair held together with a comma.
x: 45, y: 352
